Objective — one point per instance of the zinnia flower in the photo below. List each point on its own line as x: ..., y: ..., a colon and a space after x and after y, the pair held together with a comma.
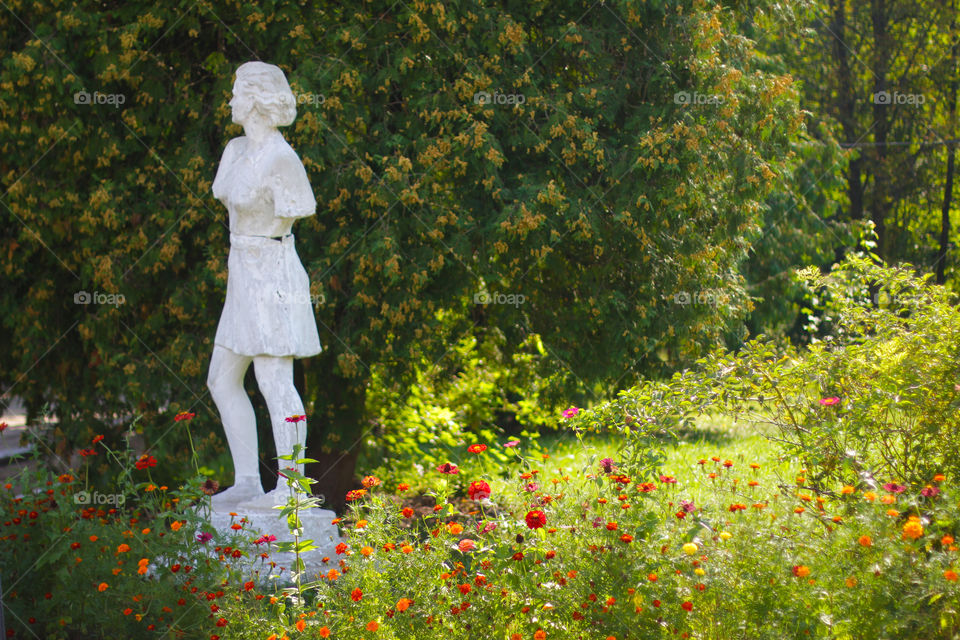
x: 145, y: 461
x: 829, y: 402
x: 929, y: 492
x: 478, y: 490
x: 536, y: 519
x: 569, y: 413
x: 184, y: 415
x: 296, y: 418
x: 477, y: 448
x: 466, y: 545
x: 448, y: 468
x: 893, y: 487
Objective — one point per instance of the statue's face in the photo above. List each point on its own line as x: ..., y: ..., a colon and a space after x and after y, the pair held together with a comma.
x: 241, y: 105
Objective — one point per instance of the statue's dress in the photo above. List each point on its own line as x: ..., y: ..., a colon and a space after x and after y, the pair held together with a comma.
x: 268, y: 308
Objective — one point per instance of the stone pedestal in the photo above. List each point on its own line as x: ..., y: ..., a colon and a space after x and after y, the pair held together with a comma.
x: 317, y: 526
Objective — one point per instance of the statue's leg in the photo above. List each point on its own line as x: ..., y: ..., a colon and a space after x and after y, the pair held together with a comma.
x: 275, y: 379
x: 225, y: 381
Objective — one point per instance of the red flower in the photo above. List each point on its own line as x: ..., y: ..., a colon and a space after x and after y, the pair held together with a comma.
x: 97, y: 439
x: 184, y: 415
x: 222, y: 622
x: 296, y: 418
x: 477, y: 448
x: 478, y: 490
x: 3, y: 426
x: 687, y: 606
x: 145, y: 461
x: 356, y: 595
x: 536, y: 519
x: 87, y: 452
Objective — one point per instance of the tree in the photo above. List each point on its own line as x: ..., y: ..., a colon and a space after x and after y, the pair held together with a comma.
x: 591, y: 173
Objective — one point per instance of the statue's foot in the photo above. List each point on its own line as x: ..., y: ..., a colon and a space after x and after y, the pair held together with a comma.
x: 269, y: 500
x: 246, y: 488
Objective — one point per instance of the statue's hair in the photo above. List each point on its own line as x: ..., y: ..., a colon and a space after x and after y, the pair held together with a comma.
x: 270, y: 91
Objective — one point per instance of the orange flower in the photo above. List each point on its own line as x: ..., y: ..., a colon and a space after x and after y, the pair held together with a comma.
x: 373, y: 625
x: 893, y: 513
x: 847, y: 490
x: 869, y: 496
x: 366, y: 551
x: 454, y: 528
x: 539, y: 634
x: 801, y: 570
x: 175, y: 525
x: 324, y: 632
x: 865, y: 541
x: 406, y: 548
x: 626, y: 538
x: 950, y: 575
x: 403, y: 604
x: 946, y: 540
x: 851, y: 582
x: 939, y: 477
x: 123, y: 548
x: 888, y: 499
x: 103, y: 586
x: 301, y: 625
x: 356, y: 595
x: 912, y: 529
x: 407, y: 512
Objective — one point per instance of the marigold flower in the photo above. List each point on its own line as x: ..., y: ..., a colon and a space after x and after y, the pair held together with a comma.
x: 890, y: 499
x: 801, y: 570
x: 946, y: 540
x: 950, y: 575
x: 355, y: 494
x: 652, y: 577
x: 850, y: 582
x: 912, y: 529
x: 103, y: 586
x: 626, y: 538
x: 454, y: 528
x: 536, y: 519
x: 690, y: 548
x: 893, y: 513
x: 686, y: 605
x: 356, y: 595
x: 407, y: 512
x: 725, y: 535
x: 366, y: 551
x: 939, y: 477
x: 175, y: 525
x: 373, y: 625
x: 869, y: 496
x: 540, y: 634
x: 123, y: 548
x: 324, y: 632
x: 406, y: 549
x: 333, y: 574
x: 847, y: 490
x: 403, y: 604
x: 865, y: 541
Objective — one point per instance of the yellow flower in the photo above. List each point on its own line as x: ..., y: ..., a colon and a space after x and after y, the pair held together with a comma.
x: 870, y: 496
x: 690, y: 548
x: 725, y: 535
x: 699, y: 571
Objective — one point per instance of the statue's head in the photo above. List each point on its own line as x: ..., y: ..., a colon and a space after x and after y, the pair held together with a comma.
x: 261, y: 91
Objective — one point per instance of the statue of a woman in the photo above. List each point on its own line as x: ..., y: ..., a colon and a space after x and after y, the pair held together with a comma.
x: 267, y: 317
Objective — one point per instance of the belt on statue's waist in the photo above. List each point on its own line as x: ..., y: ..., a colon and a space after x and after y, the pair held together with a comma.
x: 240, y: 239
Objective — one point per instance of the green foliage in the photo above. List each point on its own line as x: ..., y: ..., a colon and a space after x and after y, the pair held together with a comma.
x: 597, y: 199
x: 873, y: 397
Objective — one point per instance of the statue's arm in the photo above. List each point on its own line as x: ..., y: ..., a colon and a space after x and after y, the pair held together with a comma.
x: 220, y: 181
x: 292, y: 195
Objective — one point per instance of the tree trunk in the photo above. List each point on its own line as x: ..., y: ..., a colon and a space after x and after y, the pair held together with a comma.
x: 951, y: 153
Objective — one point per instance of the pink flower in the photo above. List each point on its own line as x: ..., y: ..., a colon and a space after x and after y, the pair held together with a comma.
x: 487, y: 528
x: 569, y: 413
x: 829, y: 402
x: 531, y: 487
x: 204, y: 537
x: 512, y: 443
x: 466, y: 545
x: 607, y: 465
x: 264, y: 539
x: 893, y: 487
x: 296, y: 418
x: 668, y: 480
x: 448, y: 468
x: 929, y: 492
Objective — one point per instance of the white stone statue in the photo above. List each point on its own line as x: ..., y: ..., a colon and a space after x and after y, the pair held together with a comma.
x: 267, y: 317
